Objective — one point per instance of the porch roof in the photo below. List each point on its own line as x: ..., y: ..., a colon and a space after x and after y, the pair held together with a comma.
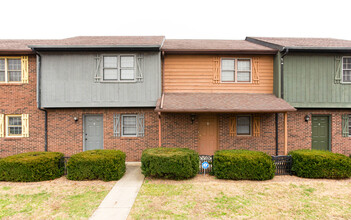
x: 222, y: 102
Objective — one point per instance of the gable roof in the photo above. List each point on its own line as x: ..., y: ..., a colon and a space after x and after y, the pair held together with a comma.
x: 327, y: 44
x: 19, y: 46
x: 214, y: 46
x: 103, y: 42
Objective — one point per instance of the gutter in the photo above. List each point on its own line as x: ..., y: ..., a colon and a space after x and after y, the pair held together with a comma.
x: 39, y: 99
x: 282, y: 70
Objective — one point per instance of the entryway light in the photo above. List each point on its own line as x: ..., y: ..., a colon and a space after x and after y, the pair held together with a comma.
x: 75, y: 119
x: 192, y: 118
x: 307, y: 118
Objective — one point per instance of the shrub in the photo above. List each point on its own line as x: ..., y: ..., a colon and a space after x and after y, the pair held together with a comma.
x: 103, y: 165
x: 243, y: 165
x: 31, y: 167
x: 170, y: 163
x: 320, y: 164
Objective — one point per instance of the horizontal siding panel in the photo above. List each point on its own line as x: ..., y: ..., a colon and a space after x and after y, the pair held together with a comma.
x: 194, y: 73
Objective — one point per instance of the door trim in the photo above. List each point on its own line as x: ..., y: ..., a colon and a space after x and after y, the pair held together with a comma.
x: 84, y: 116
x: 329, y: 129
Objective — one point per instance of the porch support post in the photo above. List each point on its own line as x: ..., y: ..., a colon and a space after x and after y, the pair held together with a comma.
x: 159, y: 130
x: 286, y: 133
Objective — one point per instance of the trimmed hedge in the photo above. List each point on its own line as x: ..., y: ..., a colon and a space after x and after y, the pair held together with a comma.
x: 32, y: 167
x: 243, y: 165
x: 170, y: 163
x: 103, y: 165
x: 320, y: 164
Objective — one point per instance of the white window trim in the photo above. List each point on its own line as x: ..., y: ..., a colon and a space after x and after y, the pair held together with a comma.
x: 236, y: 69
x: 6, y: 70
x: 118, y: 68
x: 7, y: 126
x: 249, y: 126
x: 136, y: 125
x: 342, y: 70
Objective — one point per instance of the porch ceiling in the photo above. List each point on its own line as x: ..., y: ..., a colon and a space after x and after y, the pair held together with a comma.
x: 222, y: 102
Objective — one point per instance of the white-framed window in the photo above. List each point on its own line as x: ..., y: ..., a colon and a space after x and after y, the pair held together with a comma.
x: 119, y: 68
x: 243, y: 125
x: 13, y: 125
x: 10, y: 69
x: 236, y: 70
x: 129, y: 126
x: 346, y: 69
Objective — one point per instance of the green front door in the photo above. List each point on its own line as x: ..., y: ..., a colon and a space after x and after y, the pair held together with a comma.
x: 320, y: 132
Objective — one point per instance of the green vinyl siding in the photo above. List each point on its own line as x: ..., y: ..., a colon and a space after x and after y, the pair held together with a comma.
x: 309, y: 81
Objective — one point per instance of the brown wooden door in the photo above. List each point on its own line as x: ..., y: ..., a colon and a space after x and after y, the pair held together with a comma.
x: 208, y: 134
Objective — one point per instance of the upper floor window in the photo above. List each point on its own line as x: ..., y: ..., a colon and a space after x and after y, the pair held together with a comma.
x: 235, y: 70
x: 10, y: 70
x: 119, y: 68
x: 346, y: 69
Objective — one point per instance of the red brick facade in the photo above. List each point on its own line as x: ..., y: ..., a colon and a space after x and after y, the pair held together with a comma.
x: 66, y: 135
x: 16, y: 99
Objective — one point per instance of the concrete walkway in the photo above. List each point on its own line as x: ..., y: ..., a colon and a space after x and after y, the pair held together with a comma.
x: 119, y: 201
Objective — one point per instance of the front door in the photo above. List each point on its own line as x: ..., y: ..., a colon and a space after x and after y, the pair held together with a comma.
x: 93, y: 132
x: 320, y: 132
x: 208, y: 134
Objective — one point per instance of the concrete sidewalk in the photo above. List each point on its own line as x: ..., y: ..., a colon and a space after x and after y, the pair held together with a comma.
x: 119, y: 201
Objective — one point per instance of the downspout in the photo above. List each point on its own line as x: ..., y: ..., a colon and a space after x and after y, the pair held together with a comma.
x: 282, y: 70
x: 39, y: 99
x: 276, y: 134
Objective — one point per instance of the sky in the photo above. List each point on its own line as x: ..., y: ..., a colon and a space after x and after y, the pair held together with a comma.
x: 180, y: 19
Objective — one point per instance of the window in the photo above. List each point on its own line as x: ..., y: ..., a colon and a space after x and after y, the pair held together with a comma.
x: 235, y: 70
x: 349, y: 125
x: 346, y: 69
x: 14, y: 126
x: 243, y: 125
x: 10, y: 70
x: 129, y: 125
x: 119, y: 68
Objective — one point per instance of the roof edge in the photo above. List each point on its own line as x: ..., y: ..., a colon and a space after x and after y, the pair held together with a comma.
x: 264, y: 43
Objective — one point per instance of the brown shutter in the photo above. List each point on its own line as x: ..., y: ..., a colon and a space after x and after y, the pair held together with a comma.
x: 337, y: 63
x: 255, y: 70
x: 232, y: 126
x: 216, y: 69
x: 256, y: 126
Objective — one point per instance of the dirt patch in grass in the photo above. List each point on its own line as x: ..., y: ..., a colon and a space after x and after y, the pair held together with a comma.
x: 205, y: 197
x: 55, y: 199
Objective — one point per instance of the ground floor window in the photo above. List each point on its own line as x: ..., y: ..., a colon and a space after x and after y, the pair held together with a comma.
x: 243, y: 125
x: 14, y: 125
x: 128, y: 125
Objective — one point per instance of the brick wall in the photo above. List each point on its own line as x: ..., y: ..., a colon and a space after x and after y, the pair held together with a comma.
x: 66, y: 135
x: 21, y: 99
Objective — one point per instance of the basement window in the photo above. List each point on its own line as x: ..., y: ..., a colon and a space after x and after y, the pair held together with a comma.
x: 346, y: 69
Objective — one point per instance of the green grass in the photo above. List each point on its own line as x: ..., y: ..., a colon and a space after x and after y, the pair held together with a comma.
x: 220, y: 199
x: 57, y: 199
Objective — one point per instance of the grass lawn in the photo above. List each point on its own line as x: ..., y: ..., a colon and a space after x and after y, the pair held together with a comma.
x: 284, y: 197
x: 56, y: 199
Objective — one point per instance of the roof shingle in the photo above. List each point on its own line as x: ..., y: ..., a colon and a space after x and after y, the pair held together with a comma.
x: 222, y: 102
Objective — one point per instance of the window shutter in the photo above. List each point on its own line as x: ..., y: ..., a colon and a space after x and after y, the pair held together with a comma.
x: 98, y: 69
x: 232, y: 126
x: 2, y: 125
x: 337, y: 64
x: 255, y: 70
x: 24, y: 66
x: 25, y: 125
x: 140, y: 67
x: 256, y: 126
x: 345, y: 125
x: 216, y: 70
x: 141, y: 125
x: 117, y: 125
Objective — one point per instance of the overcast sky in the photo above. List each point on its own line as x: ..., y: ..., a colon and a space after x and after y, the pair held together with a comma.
x: 216, y: 19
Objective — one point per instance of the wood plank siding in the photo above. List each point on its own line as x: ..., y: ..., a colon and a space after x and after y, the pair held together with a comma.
x: 309, y: 81
x: 195, y: 73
